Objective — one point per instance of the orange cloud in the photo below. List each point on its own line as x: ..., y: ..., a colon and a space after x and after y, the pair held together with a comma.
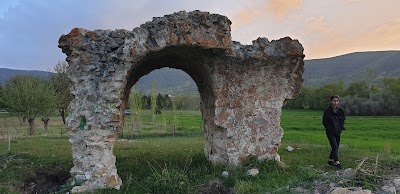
x: 277, y: 8
x: 245, y: 17
x: 320, y: 40
x: 381, y: 36
x: 281, y: 8
x: 351, y: 1
x: 318, y: 25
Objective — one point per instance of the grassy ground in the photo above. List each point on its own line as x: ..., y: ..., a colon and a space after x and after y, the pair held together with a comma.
x: 156, y: 161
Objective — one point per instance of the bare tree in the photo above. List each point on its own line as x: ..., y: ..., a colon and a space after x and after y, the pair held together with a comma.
x: 135, y: 104
x: 153, y: 102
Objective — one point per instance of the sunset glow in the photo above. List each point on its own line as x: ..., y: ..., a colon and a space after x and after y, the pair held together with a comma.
x: 29, y: 30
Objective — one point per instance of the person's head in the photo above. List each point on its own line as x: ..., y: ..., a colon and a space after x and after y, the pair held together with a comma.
x: 334, y: 101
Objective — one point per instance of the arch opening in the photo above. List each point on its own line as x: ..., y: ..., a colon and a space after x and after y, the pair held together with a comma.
x: 197, y: 62
x: 191, y: 60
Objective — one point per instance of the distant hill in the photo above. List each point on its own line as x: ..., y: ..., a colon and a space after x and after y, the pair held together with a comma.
x: 352, y: 67
x: 318, y: 72
x: 6, y: 74
x: 168, y: 81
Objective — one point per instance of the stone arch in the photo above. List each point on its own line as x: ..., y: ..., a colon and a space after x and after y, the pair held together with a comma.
x: 242, y: 87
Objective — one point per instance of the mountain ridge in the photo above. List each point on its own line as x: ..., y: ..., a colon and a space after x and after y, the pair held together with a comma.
x: 6, y: 73
x: 357, y: 66
x: 352, y: 67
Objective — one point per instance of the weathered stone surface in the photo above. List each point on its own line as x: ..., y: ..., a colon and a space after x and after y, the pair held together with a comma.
x: 242, y: 87
x: 389, y: 189
x: 253, y: 172
x: 354, y: 190
x: 396, y: 182
x: 392, y: 185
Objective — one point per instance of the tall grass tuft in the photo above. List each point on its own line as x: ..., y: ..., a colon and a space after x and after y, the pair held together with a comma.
x: 167, y: 180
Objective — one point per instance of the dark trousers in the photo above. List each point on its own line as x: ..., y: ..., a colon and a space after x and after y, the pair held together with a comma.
x: 334, y: 141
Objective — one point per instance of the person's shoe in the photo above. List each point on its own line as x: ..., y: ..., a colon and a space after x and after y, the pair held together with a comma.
x: 338, y: 165
x: 331, y: 163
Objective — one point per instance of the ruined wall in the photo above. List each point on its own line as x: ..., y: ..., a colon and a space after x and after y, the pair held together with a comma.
x: 242, y: 87
x: 250, y: 87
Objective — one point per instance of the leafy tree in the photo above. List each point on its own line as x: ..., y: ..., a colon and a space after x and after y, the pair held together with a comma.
x: 2, y: 105
x: 305, y: 100
x: 187, y: 102
x: 167, y: 101
x: 360, y: 89
x: 359, y: 98
x: 392, y: 85
x: 149, y: 102
x: 61, y: 85
x: 370, y: 77
x: 145, y: 102
x: 160, y: 101
x: 324, y: 93
x: 29, y: 96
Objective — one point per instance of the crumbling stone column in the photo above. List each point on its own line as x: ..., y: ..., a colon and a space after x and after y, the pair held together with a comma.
x: 242, y: 87
x: 251, y: 87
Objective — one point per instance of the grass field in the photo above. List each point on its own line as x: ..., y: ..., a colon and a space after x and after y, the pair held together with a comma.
x: 157, y: 161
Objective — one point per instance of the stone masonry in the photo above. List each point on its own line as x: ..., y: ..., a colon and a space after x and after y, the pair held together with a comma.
x: 242, y: 87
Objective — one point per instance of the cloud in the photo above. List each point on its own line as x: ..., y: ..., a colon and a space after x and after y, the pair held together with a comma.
x: 281, y: 9
x: 262, y: 11
x: 352, y: 1
x: 319, y: 38
x: 245, y: 17
x: 129, y: 14
x: 30, y: 31
x: 318, y: 25
x: 322, y: 40
x: 383, y: 36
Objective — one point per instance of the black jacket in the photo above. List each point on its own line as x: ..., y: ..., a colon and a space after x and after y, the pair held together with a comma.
x: 333, y: 122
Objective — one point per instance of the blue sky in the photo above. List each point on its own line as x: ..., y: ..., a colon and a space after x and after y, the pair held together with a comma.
x: 30, y: 29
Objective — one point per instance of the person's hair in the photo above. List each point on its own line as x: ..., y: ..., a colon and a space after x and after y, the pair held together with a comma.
x: 334, y: 96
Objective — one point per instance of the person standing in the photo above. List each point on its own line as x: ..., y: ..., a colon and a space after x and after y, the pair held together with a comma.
x: 333, y: 121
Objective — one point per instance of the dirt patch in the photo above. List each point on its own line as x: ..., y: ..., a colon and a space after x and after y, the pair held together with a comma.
x: 45, y: 180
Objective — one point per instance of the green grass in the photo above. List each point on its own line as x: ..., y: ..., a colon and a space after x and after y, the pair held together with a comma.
x: 363, y: 137
x: 189, y: 123
x: 157, y: 160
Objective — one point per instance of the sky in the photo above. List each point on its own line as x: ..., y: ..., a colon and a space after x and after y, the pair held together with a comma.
x: 30, y: 29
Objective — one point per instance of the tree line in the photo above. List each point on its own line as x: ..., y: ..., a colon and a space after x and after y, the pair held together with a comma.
x: 158, y: 104
x: 358, y: 98
x: 29, y: 97
x: 162, y: 101
x: 166, y: 102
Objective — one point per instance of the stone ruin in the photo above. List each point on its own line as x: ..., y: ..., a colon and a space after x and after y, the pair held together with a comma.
x: 242, y: 88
